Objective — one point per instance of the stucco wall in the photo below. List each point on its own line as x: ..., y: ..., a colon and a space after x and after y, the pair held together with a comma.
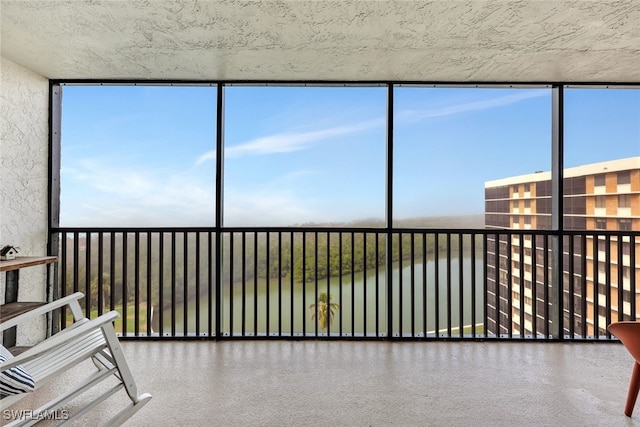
x: 23, y: 179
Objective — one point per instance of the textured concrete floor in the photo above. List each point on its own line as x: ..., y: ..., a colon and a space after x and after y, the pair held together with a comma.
x: 319, y: 383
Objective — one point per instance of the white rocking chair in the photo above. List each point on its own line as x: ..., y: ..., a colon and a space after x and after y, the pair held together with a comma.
x: 95, y: 339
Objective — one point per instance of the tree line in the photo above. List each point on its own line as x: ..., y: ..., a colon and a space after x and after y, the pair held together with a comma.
x: 182, y: 264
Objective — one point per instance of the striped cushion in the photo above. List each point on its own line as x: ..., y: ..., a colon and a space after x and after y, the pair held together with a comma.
x: 15, y: 380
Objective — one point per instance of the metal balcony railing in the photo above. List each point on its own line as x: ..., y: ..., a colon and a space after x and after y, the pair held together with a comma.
x: 356, y: 283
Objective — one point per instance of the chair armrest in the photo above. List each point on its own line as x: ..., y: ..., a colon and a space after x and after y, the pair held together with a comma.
x: 68, y: 300
x: 82, y: 328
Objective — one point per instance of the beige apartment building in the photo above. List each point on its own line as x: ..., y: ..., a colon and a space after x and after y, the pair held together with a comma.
x: 601, y: 207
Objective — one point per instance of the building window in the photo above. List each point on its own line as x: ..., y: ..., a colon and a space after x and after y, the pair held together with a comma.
x: 527, y: 188
x: 599, y: 180
x: 624, y: 201
x: 601, y: 201
x: 624, y: 224
x: 624, y: 177
x: 601, y: 224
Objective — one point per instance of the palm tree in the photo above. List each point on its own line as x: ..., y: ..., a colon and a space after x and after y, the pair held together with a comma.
x: 325, y: 310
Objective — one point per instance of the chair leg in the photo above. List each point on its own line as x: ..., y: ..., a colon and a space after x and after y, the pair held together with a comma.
x: 634, y: 386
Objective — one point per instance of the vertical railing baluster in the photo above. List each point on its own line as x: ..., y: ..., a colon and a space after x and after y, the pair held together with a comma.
x: 112, y: 269
x: 243, y: 319
x: 185, y: 280
x: 583, y: 284
x: 534, y: 287
x: 197, y: 284
x: 485, y: 283
x: 328, y: 277
x: 633, y: 267
x: 436, y: 264
x: 255, y: 283
x: 136, y: 282
x: 425, y: 288
x: 547, y: 282
x: 472, y: 302
x: 400, y: 288
x: 412, y: 283
x: 353, y: 291
x: 620, y: 279
x: 608, y: 286
x: 63, y: 277
x: 87, y: 275
x: 509, y: 266
x: 460, y: 285
x: 364, y: 285
x: 304, y: 283
x: 340, y: 272
x: 279, y: 269
x: 571, y: 290
x: 100, y: 274
x: 149, y: 281
x: 596, y: 286
x: 315, y: 275
x: 232, y: 298
x: 521, y: 288
x: 161, y: 284
x: 211, y: 274
x: 173, y: 283
x: 125, y: 281
x: 292, y: 281
x: 499, y: 286
x: 377, y: 283
x: 268, y: 285
x: 449, y: 294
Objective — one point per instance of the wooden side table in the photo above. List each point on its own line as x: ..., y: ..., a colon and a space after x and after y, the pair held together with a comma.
x: 12, y: 307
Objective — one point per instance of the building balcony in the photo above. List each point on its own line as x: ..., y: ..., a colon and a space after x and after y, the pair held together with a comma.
x: 347, y: 383
x: 233, y: 326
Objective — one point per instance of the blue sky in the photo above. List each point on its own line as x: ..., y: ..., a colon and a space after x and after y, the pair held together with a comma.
x: 145, y: 155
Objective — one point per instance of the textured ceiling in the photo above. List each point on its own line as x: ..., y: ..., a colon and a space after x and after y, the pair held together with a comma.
x: 457, y: 41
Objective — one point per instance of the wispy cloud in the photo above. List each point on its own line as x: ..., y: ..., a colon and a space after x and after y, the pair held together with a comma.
x: 209, y: 155
x: 289, y: 142
x: 274, y: 208
x: 115, y: 195
x: 485, y: 104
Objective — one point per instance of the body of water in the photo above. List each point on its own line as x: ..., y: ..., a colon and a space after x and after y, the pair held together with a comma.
x: 273, y: 307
